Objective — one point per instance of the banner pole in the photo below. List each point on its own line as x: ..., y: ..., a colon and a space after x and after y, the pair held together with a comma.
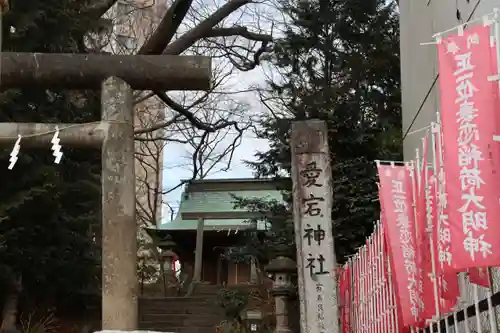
x: 431, y: 231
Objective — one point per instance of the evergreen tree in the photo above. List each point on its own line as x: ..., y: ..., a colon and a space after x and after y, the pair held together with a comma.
x: 49, y: 211
x: 338, y: 62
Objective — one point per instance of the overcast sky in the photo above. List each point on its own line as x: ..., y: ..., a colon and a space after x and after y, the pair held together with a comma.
x: 261, y: 16
x: 175, y: 154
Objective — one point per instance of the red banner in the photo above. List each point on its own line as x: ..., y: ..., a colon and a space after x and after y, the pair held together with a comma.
x: 345, y: 298
x: 399, y: 223
x: 447, y: 284
x: 467, y: 104
x: 447, y: 275
x: 479, y: 276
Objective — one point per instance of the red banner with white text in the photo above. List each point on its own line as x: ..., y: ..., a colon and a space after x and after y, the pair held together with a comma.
x: 449, y: 287
x: 447, y: 284
x: 467, y: 110
x: 396, y: 196
x: 479, y: 276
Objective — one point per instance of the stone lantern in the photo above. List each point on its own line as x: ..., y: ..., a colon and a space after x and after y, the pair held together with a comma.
x: 167, y: 256
x: 281, y: 269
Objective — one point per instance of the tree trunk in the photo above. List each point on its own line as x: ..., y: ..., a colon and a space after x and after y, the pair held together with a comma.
x: 9, y: 313
x: 87, y: 71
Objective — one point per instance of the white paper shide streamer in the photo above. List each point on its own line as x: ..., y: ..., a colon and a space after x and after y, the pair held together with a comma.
x: 56, y: 147
x: 14, y: 153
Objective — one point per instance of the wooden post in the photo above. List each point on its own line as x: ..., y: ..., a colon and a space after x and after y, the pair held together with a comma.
x: 312, y: 202
x: 236, y: 273
x: 198, y: 256
x: 254, y: 278
x: 119, y: 227
x: 219, y: 269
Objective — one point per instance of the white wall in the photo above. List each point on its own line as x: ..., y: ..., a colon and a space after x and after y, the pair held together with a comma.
x: 420, y: 19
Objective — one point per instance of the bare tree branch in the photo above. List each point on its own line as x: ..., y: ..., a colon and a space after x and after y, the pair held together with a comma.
x: 189, y: 38
x: 192, y: 118
x: 239, y: 31
x: 167, y: 28
x: 209, y: 126
x: 159, y: 125
x: 99, y: 8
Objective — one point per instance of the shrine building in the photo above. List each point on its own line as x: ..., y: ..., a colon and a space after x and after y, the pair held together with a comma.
x: 208, y: 222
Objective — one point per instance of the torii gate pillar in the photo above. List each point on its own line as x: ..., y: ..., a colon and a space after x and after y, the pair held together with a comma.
x: 115, y: 134
x: 119, y: 225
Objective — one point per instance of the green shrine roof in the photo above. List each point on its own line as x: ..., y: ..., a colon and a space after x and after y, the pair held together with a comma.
x: 213, y: 200
x: 210, y: 224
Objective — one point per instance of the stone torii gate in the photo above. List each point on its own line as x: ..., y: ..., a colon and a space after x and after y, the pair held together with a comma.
x: 117, y: 76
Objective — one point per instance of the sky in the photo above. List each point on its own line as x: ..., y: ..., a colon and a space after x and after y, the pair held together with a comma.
x: 173, y: 174
x: 175, y: 154
x: 258, y: 17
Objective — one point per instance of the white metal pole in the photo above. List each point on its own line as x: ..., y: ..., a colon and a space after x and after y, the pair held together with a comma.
x: 418, y: 168
x: 479, y: 328
x: 364, y: 316
x: 414, y: 182
x: 356, y: 302
x: 496, y: 36
x: 463, y: 301
x: 369, y: 259
x: 431, y: 232
x: 384, y: 307
x: 379, y: 287
x: 392, y: 298
x: 491, y: 309
x: 351, y: 295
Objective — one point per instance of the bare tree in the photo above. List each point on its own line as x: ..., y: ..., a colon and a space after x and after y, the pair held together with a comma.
x: 210, y: 124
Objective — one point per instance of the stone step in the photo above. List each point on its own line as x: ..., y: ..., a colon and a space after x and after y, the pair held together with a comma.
x: 176, y: 329
x: 198, y: 309
x: 211, y: 287
x: 181, y: 323
x: 205, y: 292
x: 167, y: 324
x: 180, y: 302
x: 197, y: 330
x: 178, y: 299
x: 191, y: 318
x: 157, y: 307
x: 203, y: 289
